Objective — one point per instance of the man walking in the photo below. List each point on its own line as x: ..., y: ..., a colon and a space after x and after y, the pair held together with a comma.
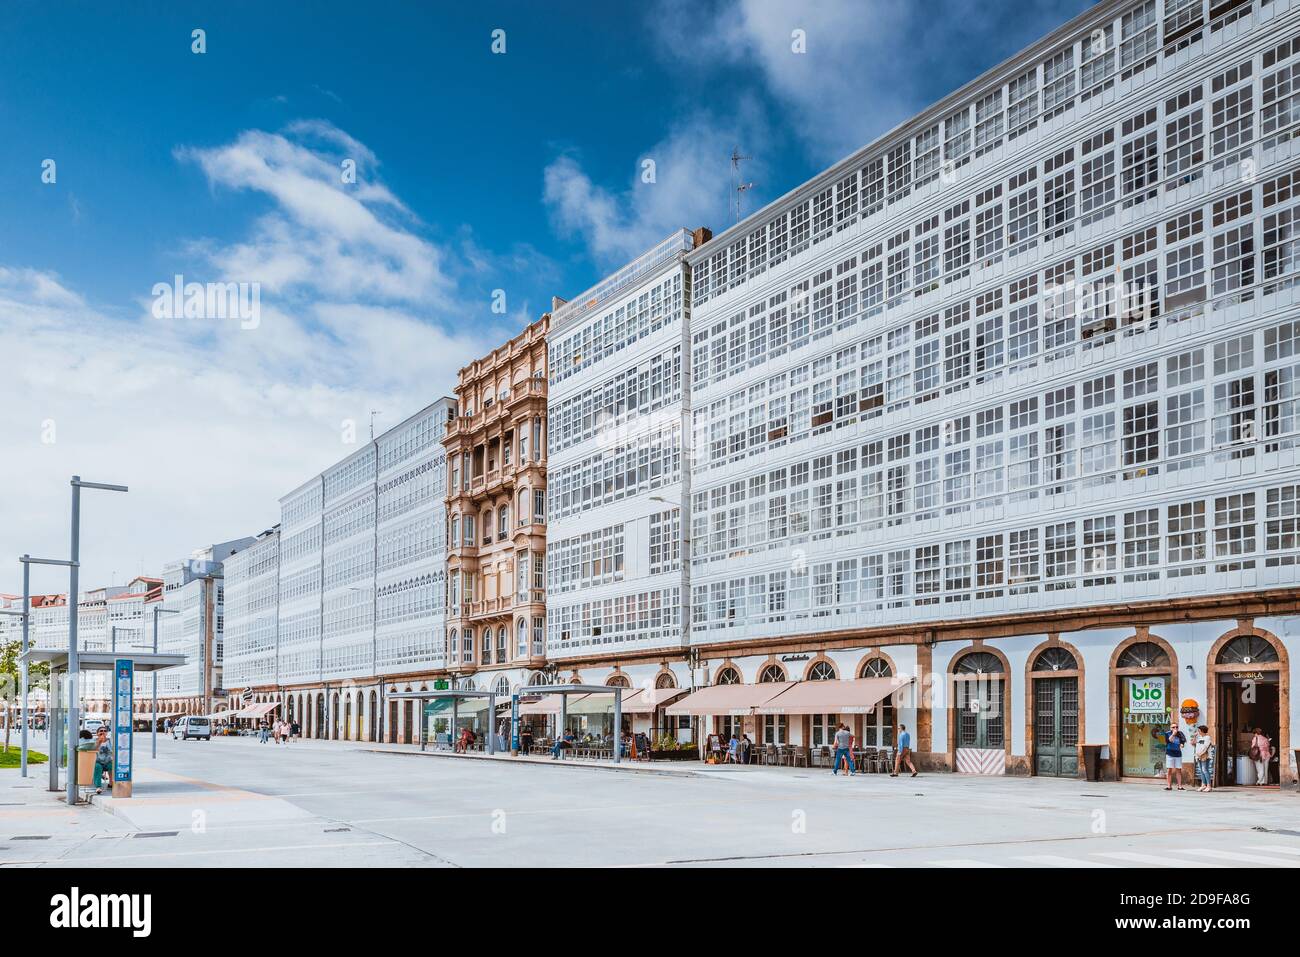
x: 843, y: 739
x: 904, y: 755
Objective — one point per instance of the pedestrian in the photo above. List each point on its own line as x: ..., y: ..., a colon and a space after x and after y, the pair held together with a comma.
x: 1204, y: 758
x: 295, y: 730
x: 284, y: 732
x: 732, y: 747
x: 526, y: 740
x: 168, y: 726
x: 904, y: 755
x: 262, y: 732
x: 1261, y: 752
x: 745, y: 745
x: 103, y: 760
x: 843, y: 749
x: 1174, y: 741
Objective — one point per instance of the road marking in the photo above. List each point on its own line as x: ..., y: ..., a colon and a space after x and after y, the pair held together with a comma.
x: 1150, y: 859
x: 960, y: 862
x: 1245, y: 858
x: 1274, y: 849
x: 1053, y: 860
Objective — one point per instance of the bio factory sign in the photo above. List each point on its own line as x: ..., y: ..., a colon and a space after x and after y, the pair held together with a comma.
x: 1147, y: 696
x: 123, y: 706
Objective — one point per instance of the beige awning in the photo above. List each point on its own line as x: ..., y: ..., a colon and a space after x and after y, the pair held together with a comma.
x: 854, y: 696
x: 223, y: 715
x: 728, y: 699
x: 549, y: 704
x: 258, y: 710
x: 645, y: 700
x: 598, y: 703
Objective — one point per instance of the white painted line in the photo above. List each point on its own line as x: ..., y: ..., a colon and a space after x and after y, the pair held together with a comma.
x: 1244, y: 858
x: 960, y: 862
x: 1275, y: 849
x: 1150, y: 859
x: 1052, y: 860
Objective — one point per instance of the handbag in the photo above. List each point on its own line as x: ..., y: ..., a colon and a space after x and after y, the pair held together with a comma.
x: 1254, y: 752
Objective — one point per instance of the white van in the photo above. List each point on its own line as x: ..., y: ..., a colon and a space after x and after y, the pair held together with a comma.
x: 191, y: 726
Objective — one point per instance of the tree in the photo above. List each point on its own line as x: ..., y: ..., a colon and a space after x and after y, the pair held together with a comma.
x: 11, y: 677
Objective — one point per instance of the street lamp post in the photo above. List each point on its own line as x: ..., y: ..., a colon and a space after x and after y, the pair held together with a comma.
x: 74, y: 664
x: 153, y: 721
x: 27, y: 561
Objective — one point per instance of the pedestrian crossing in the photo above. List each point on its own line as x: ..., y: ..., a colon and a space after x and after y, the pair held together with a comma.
x: 1253, y: 855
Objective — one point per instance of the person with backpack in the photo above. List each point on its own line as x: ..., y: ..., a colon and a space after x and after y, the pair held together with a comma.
x: 1174, y: 740
x: 1261, y: 752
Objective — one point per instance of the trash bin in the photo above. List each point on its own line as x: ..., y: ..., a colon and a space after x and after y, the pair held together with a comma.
x: 1245, y: 770
x: 1092, y: 761
x: 85, y: 768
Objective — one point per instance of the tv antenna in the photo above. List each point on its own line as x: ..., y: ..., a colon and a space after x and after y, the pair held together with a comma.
x: 373, y: 413
x: 740, y: 187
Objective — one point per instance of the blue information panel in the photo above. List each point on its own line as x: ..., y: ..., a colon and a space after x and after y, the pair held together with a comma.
x: 514, y: 721
x: 123, y: 708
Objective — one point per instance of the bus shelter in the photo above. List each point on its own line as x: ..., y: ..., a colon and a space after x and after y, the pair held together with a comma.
x: 455, y: 700
x: 583, y: 693
x: 62, y: 737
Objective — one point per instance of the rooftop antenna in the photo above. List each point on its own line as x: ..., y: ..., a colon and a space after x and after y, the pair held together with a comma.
x: 373, y: 413
x: 740, y: 188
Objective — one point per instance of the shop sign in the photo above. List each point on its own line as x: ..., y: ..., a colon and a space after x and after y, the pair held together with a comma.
x: 796, y: 657
x: 1147, y: 696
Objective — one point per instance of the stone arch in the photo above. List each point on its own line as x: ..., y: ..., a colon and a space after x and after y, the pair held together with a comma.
x: 728, y: 665
x: 1053, y: 641
x: 820, y: 659
x: 1246, y: 627
x: 1115, y: 678
x: 979, y: 647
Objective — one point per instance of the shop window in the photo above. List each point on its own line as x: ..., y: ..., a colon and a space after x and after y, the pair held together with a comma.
x: 1055, y: 659
x: 1247, y: 650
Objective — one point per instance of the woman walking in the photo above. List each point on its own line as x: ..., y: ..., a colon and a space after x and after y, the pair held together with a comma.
x: 1204, y: 758
x: 1261, y: 752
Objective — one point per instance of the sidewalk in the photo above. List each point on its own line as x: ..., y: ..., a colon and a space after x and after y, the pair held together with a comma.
x: 37, y: 826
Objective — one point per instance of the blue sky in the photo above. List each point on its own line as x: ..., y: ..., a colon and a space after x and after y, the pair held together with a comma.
x: 476, y: 172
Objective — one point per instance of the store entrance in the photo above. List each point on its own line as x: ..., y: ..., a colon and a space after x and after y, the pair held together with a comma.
x: 1246, y: 701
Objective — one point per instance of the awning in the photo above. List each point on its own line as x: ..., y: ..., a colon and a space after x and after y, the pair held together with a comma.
x: 549, y: 704
x: 258, y: 710
x: 647, y: 699
x: 728, y: 699
x: 223, y: 715
x: 596, y: 703
x: 854, y: 696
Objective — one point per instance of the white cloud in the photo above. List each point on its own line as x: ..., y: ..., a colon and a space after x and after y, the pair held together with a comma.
x: 208, y: 423
x: 866, y: 63
x: 693, y: 180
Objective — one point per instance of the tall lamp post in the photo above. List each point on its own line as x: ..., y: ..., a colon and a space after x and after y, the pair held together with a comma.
x: 27, y: 561
x: 74, y: 664
x: 153, y: 722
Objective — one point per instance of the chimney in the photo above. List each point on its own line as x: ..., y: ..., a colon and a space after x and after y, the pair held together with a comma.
x: 701, y: 236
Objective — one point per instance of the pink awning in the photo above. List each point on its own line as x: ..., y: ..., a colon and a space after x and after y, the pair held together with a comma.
x: 855, y: 696
x: 258, y: 710
x: 548, y: 704
x: 728, y: 699
x: 645, y: 700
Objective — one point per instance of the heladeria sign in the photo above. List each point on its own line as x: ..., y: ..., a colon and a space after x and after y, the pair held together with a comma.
x: 1146, y: 696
